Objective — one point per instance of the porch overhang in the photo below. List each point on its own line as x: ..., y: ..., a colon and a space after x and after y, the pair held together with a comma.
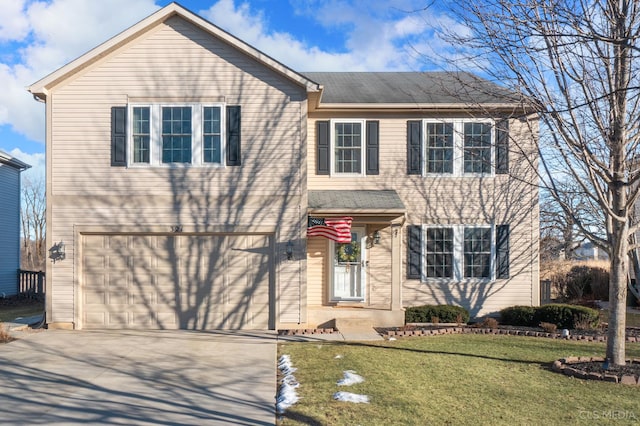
x: 370, y: 206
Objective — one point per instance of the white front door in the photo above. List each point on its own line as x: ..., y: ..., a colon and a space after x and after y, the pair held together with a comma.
x: 349, y: 267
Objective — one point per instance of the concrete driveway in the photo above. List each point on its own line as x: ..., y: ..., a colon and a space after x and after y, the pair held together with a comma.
x: 138, y: 377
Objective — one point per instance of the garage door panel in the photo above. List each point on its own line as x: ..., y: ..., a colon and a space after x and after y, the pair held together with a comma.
x: 160, y: 281
x: 94, y: 297
x: 118, y: 262
x: 95, y: 317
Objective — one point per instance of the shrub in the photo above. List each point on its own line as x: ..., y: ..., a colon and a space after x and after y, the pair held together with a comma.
x: 518, y: 315
x: 548, y: 327
x: 566, y: 316
x: 5, y: 337
x: 584, y: 322
x: 563, y: 316
x: 573, y: 281
x: 488, y: 323
x: 444, y: 313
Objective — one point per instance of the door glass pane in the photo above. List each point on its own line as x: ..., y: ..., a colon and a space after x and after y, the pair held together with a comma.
x: 348, y: 274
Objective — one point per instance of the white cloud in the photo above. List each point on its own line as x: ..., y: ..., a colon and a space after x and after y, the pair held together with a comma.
x: 376, y: 38
x: 50, y: 34
x: 14, y: 25
x: 36, y: 161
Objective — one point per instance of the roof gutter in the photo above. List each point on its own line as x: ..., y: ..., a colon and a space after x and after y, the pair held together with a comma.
x: 13, y: 162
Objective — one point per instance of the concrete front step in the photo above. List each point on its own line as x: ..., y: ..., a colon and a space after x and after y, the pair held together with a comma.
x: 342, y: 324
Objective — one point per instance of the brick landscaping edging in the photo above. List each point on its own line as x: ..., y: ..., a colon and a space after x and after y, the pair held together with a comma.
x: 305, y: 331
x: 564, y: 366
x: 507, y: 331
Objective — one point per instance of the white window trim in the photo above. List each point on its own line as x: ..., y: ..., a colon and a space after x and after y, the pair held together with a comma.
x: 197, y: 134
x: 458, y: 254
x: 363, y: 146
x: 458, y: 146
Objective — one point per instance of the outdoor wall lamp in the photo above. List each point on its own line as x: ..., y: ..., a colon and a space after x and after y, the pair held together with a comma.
x: 376, y: 237
x: 56, y: 252
x: 289, y: 250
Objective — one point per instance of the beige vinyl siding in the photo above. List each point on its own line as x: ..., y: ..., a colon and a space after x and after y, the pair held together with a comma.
x: 173, y: 63
x: 379, y: 271
x: 460, y: 200
x: 318, y: 276
x: 378, y: 278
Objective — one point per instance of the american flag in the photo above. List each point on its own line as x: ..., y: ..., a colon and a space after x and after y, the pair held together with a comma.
x: 337, y: 229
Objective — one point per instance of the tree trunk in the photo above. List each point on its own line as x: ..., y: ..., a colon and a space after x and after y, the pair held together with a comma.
x: 618, y: 293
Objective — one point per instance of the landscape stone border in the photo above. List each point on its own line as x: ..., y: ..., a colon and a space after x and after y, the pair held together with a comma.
x: 306, y: 331
x: 387, y: 333
x: 564, y: 366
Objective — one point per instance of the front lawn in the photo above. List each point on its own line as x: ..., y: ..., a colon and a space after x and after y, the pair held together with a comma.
x: 633, y: 319
x: 455, y: 380
x: 18, y: 306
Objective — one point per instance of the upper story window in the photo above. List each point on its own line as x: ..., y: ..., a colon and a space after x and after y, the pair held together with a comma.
x: 212, y: 135
x: 141, y: 134
x: 348, y: 153
x: 170, y: 134
x: 347, y: 147
x: 457, y: 147
x: 439, y: 147
x: 176, y: 134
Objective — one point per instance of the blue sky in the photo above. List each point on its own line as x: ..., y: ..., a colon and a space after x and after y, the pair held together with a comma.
x: 39, y: 36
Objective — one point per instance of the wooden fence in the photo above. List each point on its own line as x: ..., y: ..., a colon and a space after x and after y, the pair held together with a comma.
x: 545, y: 292
x: 31, y: 283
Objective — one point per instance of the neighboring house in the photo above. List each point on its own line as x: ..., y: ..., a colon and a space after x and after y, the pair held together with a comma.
x: 10, y: 169
x: 589, y: 251
x: 183, y: 167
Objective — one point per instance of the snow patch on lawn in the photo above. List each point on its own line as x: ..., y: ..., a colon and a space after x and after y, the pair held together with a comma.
x: 351, y: 397
x: 287, y: 395
x: 350, y: 378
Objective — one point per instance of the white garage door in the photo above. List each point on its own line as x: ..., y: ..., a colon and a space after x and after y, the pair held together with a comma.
x: 194, y: 282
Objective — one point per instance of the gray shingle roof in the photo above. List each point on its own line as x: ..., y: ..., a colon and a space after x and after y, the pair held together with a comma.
x: 356, y: 200
x: 408, y: 88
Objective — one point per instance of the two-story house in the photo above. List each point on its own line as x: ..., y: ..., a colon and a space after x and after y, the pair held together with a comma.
x: 185, y: 169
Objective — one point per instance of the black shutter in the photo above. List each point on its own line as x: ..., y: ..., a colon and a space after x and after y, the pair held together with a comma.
x: 414, y: 147
x: 373, y: 147
x: 322, y: 147
x: 502, y: 147
x: 119, y: 136
x: 414, y: 252
x: 233, y: 136
x: 502, y: 251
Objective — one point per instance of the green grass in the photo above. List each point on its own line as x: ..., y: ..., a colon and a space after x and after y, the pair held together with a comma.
x: 633, y: 319
x: 24, y: 308
x: 456, y: 380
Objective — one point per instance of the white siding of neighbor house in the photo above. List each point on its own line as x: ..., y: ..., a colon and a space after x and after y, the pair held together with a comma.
x: 176, y: 62
x: 500, y: 199
x: 9, y: 229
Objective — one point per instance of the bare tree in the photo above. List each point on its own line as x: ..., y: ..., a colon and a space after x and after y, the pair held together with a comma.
x: 559, y: 232
x: 33, y: 221
x: 576, y: 62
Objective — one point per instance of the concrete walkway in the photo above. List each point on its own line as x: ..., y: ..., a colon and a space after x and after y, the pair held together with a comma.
x: 57, y: 377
